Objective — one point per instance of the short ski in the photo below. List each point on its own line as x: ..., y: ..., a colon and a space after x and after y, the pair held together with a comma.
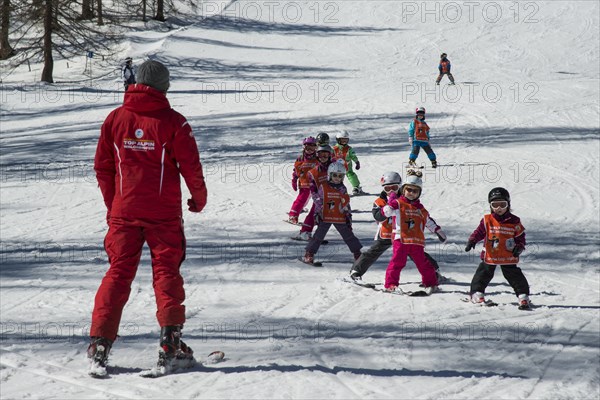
x: 486, y: 303
x: 397, y: 292
x: 400, y: 292
x: 97, y: 371
x: 467, y: 164
x: 162, y: 370
x: 215, y: 357
x: 314, y: 263
x: 359, y: 283
x: 528, y: 307
x: 180, y: 364
x: 291, y: 223
x: 302, y: 240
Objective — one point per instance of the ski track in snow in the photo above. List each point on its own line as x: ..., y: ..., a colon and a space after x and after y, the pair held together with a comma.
x: 290, y: 330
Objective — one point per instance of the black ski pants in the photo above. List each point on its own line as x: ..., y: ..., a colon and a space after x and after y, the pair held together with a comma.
x: 513, y: 274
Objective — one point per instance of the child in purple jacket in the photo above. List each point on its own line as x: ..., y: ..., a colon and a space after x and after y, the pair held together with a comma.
x: 504, y: 241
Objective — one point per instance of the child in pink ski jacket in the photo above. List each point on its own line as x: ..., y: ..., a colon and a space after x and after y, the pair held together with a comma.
x: 301, y: 178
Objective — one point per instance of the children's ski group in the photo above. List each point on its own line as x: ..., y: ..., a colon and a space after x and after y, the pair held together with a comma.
x: 141, y: 187
x: 318, y: 174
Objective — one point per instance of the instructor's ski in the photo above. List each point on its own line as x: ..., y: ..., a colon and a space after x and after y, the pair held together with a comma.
x: 178, y: 364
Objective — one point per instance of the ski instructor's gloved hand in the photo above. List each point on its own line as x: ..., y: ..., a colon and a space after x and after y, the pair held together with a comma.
x: 357, y: 165
x: 470, y: 245
x: 195, y: 207
x: 295, y: 184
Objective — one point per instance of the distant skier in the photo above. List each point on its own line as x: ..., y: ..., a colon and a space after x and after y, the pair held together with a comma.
x: 444, y: 68
x: 306, y: 161
x: 390, y: 183
x: 342, y: 151
x: 127, y: 73
x: 332, y: 208
x: 504, y: 241
x: 418, y: 136
x: 409, y: 221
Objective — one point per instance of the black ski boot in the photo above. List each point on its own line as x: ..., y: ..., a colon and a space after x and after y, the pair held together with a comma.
x: 97, y: 352
x: 174, y: 354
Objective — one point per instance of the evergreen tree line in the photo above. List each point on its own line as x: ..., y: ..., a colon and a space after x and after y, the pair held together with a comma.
x: 39, y: 29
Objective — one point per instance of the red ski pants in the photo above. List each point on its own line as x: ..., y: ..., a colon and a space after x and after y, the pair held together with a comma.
x: 398, y: 262
x: 123, y: 244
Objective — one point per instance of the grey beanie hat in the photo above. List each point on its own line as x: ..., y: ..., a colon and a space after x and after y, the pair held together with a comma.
x: 154, y: 74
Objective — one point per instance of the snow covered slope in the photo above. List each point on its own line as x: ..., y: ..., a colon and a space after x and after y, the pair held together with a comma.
x: 253, y: 83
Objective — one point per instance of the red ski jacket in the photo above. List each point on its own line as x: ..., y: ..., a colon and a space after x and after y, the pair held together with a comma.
x: 144, y: 145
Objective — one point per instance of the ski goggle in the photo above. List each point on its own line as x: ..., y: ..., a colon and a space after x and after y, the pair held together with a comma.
x: 310, y: 145
x: 390, y: 188
x: 336, y: 175
x: 411, y: 189
x: 499, y: 204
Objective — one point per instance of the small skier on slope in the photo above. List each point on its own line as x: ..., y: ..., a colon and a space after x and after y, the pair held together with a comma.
x: 504, y: 241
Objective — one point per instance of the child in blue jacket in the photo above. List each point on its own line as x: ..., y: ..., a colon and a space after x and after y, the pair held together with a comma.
x: 418, y: 136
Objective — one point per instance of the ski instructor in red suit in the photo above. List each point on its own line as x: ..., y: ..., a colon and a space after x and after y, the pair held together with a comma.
x: 143, y: 149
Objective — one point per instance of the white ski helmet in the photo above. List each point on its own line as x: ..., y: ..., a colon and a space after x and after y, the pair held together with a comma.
x: 420, y: 110
x: 413, y: 180
x: 335, y: 168
x: 390, y: 178
x: 342, y: 135
x: 325, y: 147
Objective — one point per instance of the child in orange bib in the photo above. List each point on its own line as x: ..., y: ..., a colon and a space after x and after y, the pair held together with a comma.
x: 300, y: 178
x: 410, y: 218
x: 504, y: 237
x: 332, y: 207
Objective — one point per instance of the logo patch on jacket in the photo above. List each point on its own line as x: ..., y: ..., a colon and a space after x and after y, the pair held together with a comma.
x: 138, y: 144
x: 139, y: 133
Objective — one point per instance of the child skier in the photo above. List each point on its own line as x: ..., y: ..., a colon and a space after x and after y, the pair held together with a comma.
x: 332, y: 207
x: 444, y: 68
x: 408, y: 239
x: 418, y: 136
x: 127, y: 73
x: 504, y: 241
x: 304, y: 163
x: 316, y: 176
x: 346, y: 153
x: 390, y: 182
